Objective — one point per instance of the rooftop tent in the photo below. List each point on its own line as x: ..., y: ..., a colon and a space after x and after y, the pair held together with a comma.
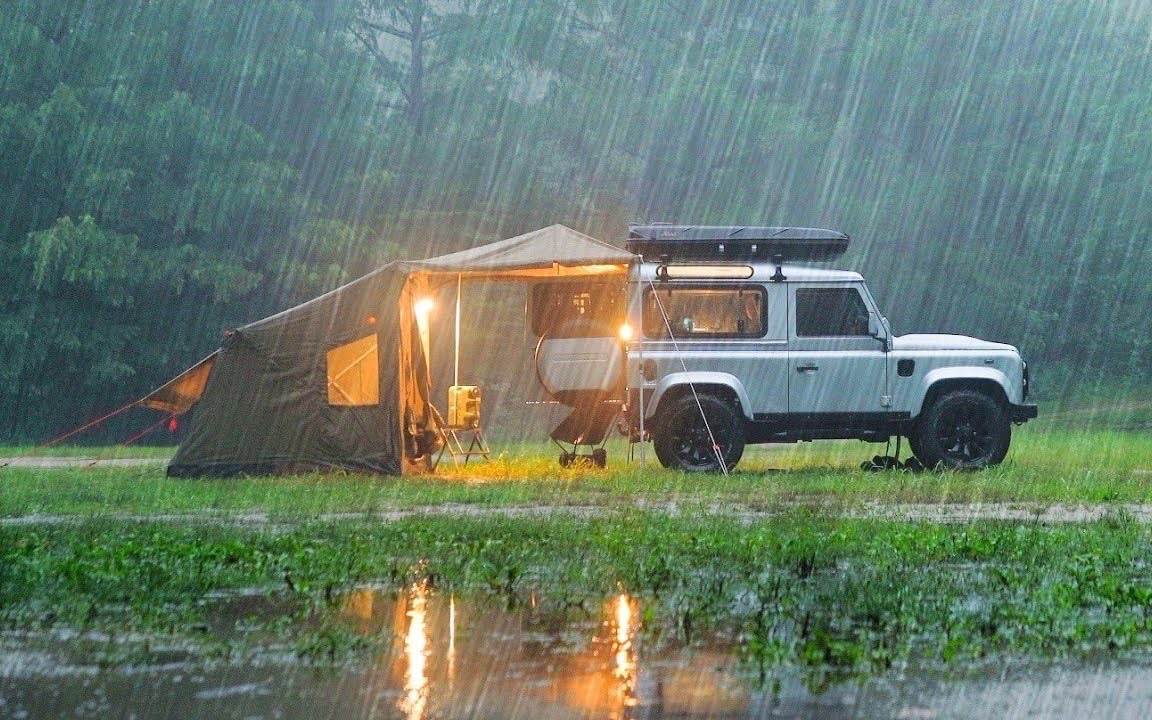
x: 342, y: 381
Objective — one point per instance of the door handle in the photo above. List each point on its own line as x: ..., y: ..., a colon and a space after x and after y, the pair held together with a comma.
x: 807, y: 368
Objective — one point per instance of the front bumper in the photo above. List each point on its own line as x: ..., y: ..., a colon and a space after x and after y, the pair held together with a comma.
x: 1021, y: 413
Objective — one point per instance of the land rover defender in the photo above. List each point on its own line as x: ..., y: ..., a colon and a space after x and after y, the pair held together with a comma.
x: 725, y: 340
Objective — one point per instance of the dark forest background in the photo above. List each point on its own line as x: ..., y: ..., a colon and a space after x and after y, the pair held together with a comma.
x: 170, y: 169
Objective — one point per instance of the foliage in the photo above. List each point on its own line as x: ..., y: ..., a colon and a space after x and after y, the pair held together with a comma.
x: 173, y: 169
x: 142, y: 207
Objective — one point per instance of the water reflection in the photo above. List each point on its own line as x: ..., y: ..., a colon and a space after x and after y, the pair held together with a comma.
x: 558, y: 663
x: 416, y: 687
x: 595, y: 672
x: 451, y: 642
x: 626, y: 665
x: 454, y: 659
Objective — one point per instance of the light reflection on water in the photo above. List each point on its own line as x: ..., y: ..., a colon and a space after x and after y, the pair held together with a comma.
x: 416, y: 652
x: 477, y: 659
x: 579, y: 679
x: 625, y: 656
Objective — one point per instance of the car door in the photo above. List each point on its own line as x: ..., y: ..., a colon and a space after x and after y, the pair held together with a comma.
x: 836, y: 366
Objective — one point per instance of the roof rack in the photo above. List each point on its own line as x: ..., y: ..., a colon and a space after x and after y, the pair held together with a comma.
x: 735, y: 242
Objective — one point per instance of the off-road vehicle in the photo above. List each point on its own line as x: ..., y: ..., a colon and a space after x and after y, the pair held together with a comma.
x: 726, y: 341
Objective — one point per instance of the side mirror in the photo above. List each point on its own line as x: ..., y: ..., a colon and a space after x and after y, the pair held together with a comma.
x: 878, y: 328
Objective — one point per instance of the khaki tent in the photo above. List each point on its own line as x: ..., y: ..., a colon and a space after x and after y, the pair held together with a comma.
x: 342, y: 381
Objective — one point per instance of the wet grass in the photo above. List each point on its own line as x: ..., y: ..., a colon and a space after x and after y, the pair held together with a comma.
x: 835, y: 596
x: 806, y: 587
x: 1047, y: 465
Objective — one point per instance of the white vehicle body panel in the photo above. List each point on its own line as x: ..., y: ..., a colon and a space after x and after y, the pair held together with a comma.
x: 783, y: 374
x: 700, y: 381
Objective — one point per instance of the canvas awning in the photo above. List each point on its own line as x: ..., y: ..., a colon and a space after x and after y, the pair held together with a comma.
x: 554, y: 251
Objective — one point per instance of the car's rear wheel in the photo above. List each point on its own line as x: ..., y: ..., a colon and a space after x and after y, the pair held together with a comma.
x: 962, y: 430
x: 682, y: 440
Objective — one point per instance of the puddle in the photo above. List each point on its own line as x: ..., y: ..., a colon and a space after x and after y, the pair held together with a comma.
x: 450, y: 659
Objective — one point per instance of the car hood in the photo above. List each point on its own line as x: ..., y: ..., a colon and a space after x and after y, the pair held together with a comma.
x: 945, y: 342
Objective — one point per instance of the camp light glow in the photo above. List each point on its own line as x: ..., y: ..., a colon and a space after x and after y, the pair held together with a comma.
x: 423, y: 308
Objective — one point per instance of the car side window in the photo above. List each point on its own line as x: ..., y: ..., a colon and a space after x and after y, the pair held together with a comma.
x: 830, y: 312
x: 705, y: 312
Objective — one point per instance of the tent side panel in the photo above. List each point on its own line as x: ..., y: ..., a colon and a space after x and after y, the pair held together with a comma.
x: 268, y: 404
x: 255, y: 415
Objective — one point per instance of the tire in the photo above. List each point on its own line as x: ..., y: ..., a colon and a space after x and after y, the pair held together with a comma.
x: 680, y: 437
x: 962, y: 430
x: 600, y: 457
x: 914, y: 445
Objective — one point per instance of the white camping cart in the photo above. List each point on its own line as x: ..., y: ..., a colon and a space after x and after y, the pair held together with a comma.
x: 719, y: 340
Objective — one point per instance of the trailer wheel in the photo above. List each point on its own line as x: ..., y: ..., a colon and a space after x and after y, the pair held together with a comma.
x: 962, y: 430
x: 682, y: 442
x: 600, y: 457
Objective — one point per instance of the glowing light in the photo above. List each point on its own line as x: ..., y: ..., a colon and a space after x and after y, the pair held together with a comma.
x: 416, y: 650
x: 623, y: 636
x: 423, y: 308
x: 626, y: 332
x: 452, y: 623
x: 625, y: 670
x: 451, y: 641
x: 701, y: 272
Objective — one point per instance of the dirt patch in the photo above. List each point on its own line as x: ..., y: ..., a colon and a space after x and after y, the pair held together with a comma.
x: 77, y: 462
x: 1022, y: 511
x: 911, y: 512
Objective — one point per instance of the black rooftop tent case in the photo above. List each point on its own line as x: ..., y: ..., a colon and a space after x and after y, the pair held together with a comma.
x: 744, y: 243
x: 271, y: 399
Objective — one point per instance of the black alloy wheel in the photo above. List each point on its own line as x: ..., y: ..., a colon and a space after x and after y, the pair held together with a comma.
x: 682, y: 441
x: 963, y: 430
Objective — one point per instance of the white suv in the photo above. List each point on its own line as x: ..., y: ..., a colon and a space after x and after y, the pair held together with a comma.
x: 732, y: 344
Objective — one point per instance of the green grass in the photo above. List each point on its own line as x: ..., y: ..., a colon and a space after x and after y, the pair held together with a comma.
x: 1045, y: 465
x: 805, y: 587
x: 836, y: 596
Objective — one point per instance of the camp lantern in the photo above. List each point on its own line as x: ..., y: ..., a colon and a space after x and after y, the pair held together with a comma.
x: 464, y: 407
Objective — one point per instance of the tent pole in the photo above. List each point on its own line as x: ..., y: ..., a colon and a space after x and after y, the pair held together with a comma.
x: 456, y: 366
x: 635, y: 267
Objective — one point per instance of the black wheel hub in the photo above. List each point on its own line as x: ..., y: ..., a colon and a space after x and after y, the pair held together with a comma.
x: 694, y: 447
x: 966, y: 434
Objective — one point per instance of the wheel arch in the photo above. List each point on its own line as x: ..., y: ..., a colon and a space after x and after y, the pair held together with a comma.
x: 676, y: 385
x: 991, y: 382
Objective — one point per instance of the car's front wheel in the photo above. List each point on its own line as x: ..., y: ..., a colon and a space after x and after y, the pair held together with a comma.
x: 962, y: 430
x: 683, y: 437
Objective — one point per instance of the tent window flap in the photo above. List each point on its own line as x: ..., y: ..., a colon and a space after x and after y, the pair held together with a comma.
x: 354, y: 373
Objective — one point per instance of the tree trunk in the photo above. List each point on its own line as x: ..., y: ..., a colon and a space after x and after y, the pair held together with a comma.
x: 416, y: 71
